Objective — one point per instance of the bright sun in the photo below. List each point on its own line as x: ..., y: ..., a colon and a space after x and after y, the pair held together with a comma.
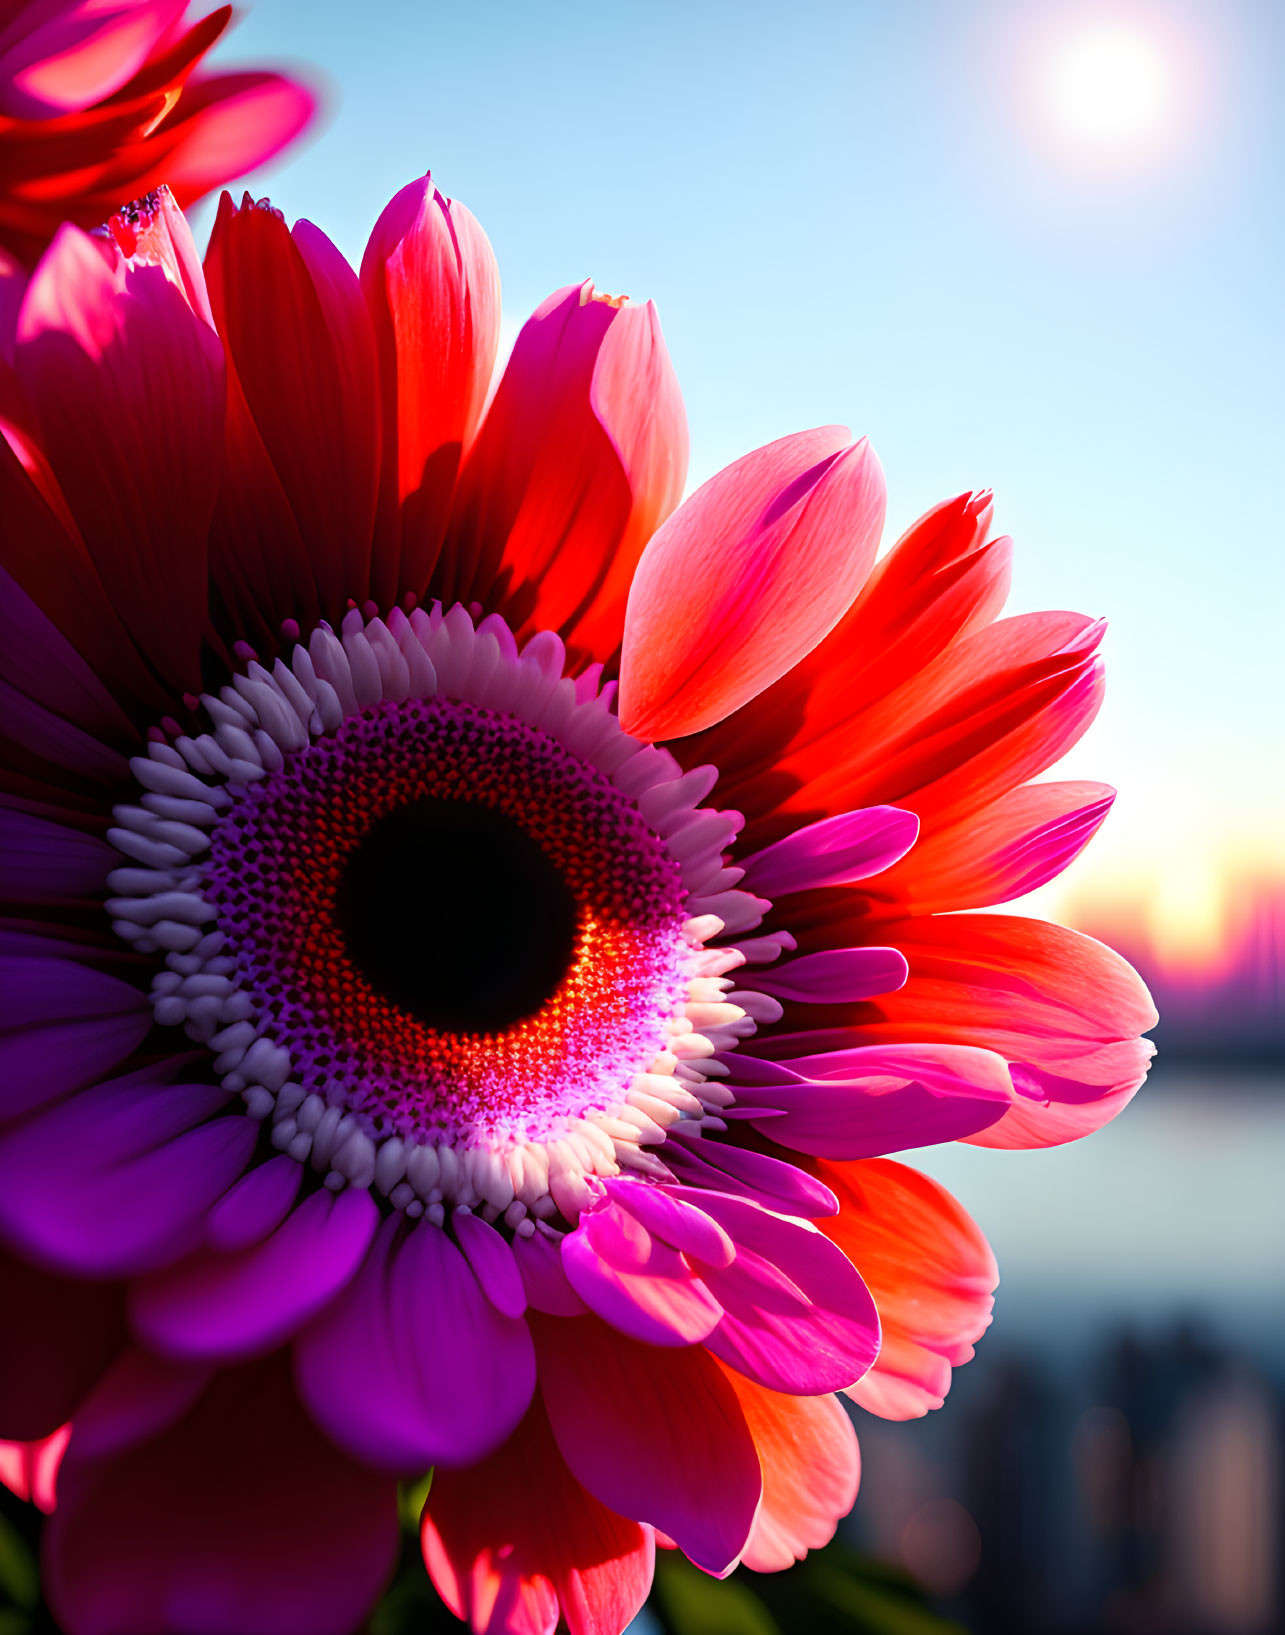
x: 1109, y: 87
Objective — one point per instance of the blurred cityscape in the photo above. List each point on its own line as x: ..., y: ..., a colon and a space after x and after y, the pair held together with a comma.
x: 1117, y: 1464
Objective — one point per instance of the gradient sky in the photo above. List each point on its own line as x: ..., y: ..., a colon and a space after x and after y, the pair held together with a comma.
x: 866, y: 213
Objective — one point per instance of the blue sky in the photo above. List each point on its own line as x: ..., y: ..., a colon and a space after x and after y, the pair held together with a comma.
x: 861, y: 212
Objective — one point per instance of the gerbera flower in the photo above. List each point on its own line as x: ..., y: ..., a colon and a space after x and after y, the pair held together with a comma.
x: 411, y: 1058
x: 101, y: 100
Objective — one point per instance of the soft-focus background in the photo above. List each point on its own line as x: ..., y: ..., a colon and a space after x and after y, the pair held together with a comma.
x: 1036, y: 247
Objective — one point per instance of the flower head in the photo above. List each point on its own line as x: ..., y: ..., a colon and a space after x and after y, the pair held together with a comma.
x: 476, y: 932
x: 101, y: 100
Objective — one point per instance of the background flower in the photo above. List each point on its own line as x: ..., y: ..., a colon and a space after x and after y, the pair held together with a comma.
x: 101, y: 102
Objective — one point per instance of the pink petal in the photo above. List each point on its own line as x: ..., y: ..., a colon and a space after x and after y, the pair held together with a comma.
x: 639, y: 1284
x: 412, y: 1365
x: 240, y: 1517
x: 229, y: 124
x: 672, y: 1218
x: 835, y: 976
x: 77, y: 54
x: 745, y: 578
x: 797, y: 1316
x: 507, y: 1552
x: 30, y: 1469
x: 229, y: 1306
x: 655, y: 1433
x: 833, y: 852
x: 876, y: 1099
x: 123, y: 377
x: 118, y: 1180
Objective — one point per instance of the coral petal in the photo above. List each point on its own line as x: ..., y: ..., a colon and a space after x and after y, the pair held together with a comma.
x: 811, y: 1467
x: 931, y: 1273
x: 509, y: 1553
x: 747, y: 577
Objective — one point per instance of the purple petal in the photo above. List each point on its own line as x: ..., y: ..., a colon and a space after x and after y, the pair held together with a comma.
x: 62, y: 1025
x: 227, y: 1307
x: 798, y: 1317
x: 119, y: 1179
x: 492, y: 1261
x: 412, y: 1365
x: 835, y: 976
x: 39, y: 859
x: 37, y: 659
x: 833, y: 852
x: 256, y: 1205
x: 876, y: 1100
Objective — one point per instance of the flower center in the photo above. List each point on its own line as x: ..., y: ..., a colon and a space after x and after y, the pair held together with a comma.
x: 456, y: 928
x: 441, y: 921
x: 457, y: 914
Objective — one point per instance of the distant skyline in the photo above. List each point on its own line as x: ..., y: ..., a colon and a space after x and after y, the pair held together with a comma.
x: 879, y: 214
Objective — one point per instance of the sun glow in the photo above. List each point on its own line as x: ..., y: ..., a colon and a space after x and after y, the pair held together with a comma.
x: 1109, y: 88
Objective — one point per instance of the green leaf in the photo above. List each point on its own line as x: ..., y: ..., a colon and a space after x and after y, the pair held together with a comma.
x: 695, y: 1604
x: 873, y: 1608
x: 411, y: 1499
x: 19, y: 1579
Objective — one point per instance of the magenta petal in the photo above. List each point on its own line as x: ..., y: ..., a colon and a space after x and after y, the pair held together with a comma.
x: 240, y: 1518
x: 655, y: 1433
x: 59, y: 1338
x: 118, y: 1180
x: 706, y: 1162
x: 798, y: 1317
x: 256, y: 1205
x: 62, y: 1025
x: 638, y: 1284
x: 677, y: 1222
x: 833, y: 852
x: 540, y: 1262
x: 492, y: 1261
x: 412, y: 1365
x: 835, y: 976
x: 877, y: 1099
x: 138, y: 1397
x: 227, y: 1307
